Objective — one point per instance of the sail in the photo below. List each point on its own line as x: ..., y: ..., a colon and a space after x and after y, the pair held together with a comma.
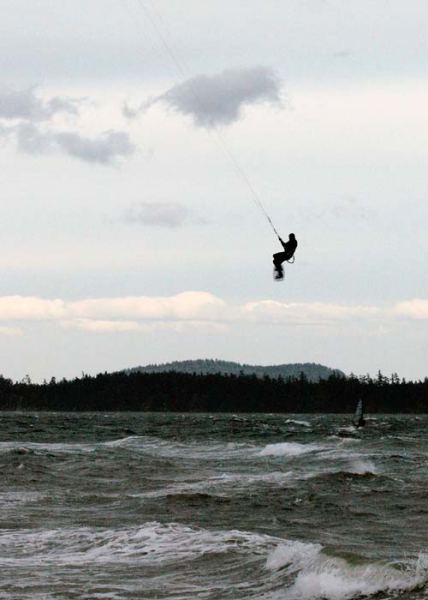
x: 359, y: 414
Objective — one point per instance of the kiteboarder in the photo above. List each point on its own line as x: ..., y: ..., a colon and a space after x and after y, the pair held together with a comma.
x: 280, y: 257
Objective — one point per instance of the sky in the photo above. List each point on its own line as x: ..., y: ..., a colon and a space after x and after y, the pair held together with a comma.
x: 138, y: 139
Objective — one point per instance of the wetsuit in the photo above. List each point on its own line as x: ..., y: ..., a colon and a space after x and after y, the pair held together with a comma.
x: 280, y: 257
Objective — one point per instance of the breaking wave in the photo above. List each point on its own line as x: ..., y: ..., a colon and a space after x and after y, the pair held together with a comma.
x: 289, y: 449
x: 275, y: 568
x: 164, y: 448
x: 225, y: 484
x: 297, y: 422
x: 151, y: 544
x: 317, y: 574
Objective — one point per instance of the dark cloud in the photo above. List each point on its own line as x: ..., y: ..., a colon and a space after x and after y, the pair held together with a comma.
x: 26, y: 105
x: 5, y: 132
x: 31, y: 140
x: 103, y: 149
x: 34, y: 135
x: 160, y: 214
x: 131, y: 113
x: 218, y: 99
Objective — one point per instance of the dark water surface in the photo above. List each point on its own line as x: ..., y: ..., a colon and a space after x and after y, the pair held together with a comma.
x: 113, y: 506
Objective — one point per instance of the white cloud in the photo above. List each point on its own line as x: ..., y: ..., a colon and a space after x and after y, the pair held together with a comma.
x: 218, y: 99
x: 105, y: 326
x: 184, y: 306
x: 307, y: 312
x: 412, y: 309
x: 194, y: 311
x: 31, y: 308
x: 161, y: 214
x: 200, y: 327
x: 187, y: 306
x: 98, y: 326
x: 10, y: 331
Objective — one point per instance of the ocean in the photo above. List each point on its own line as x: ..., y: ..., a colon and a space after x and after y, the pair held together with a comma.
x: 143, y: 505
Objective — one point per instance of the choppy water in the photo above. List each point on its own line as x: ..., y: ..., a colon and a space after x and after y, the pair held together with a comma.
x: 113, y: 506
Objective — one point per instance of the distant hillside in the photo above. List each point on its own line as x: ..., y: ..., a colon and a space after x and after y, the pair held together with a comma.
x: 312, y: 371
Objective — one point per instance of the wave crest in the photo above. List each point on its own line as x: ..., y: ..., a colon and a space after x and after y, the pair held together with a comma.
x: 289, y: 449
x: 319, y: 575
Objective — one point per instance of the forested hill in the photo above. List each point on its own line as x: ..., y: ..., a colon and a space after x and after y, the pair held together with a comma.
x: 312, y: 371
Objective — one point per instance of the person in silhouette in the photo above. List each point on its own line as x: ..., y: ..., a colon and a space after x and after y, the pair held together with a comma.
x: 280, y: 257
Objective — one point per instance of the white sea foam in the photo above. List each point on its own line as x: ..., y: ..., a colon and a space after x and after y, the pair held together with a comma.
x: 40, y: 447
x: 344, y: 441
x: 294, y: 570
x: 152, y: 544
x: 13, y: 498
x: 363, y: 467
x: 293, y: 555
x: 296, y: 422
x: 316, y: 574
x: 124, y: 442
x: 355, y: 464
x: 278, y: 477
x: 240, y: 480
x: 221, y: 485
x: 163, y: 448
x: 289, y: 449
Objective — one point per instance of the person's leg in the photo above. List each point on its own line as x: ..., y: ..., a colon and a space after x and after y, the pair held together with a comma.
x: 278, y: 272
x: 278, y: 258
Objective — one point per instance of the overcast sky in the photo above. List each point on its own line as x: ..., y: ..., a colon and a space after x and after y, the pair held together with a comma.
x: 133, y: 137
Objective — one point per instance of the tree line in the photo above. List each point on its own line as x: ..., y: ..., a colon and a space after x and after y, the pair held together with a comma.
x: 186, y: 392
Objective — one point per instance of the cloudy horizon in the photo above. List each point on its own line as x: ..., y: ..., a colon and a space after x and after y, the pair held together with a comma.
x: 134, y: 143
